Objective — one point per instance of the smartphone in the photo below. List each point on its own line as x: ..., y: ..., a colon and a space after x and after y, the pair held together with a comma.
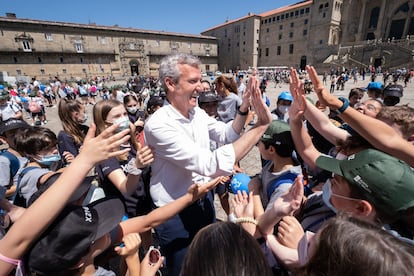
x: 154, y: 255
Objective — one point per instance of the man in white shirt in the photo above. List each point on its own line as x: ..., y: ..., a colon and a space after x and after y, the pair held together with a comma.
x: 180, y: 134
x: 241, y: 86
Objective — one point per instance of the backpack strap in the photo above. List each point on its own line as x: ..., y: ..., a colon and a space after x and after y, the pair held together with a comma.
x: 287, y: 178
x: 19, y: 179
x: 14, y: 163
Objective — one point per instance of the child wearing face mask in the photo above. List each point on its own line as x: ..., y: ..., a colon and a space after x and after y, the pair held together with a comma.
x: 284, y: 100
x: 39, y: 146
x: 135, y: 115
x: 72, y: 114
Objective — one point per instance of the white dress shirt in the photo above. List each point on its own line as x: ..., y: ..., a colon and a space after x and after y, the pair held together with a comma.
x: 182, y: 151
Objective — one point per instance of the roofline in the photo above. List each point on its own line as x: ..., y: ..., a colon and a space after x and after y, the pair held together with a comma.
x: 98, y: 27
x: 228, y: 22
x: 285, y: 8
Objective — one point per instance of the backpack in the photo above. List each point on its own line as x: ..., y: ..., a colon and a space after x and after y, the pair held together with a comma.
x: 17, y: 198
x: 14, y: 163
x: 34, y: 106
x: 82, y: 91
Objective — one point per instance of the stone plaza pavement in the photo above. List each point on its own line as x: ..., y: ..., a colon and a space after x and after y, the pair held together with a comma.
x: 251, y: 162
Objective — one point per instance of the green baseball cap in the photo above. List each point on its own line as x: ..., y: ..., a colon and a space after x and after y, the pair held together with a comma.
x: 4, y: 94
x: 386, y: 182
x: 278, y: 133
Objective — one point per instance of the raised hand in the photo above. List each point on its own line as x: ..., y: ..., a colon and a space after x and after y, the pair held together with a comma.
x: 291, y: 200
x: 260, y: 108
x: 298, y: 106
x: 105, y: 145
x: 144, y: 156
x: 323, y: 94
x: 242, y: 204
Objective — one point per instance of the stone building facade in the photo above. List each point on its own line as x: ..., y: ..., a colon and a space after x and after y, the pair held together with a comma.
x: 68, y: 50
x: 319, y: 32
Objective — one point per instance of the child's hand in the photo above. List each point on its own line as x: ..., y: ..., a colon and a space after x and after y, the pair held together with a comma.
x: 148, y: 268
x: 144, y: 157
x: 68, y: 157
x: 197, y: 190
x: 131, y: 242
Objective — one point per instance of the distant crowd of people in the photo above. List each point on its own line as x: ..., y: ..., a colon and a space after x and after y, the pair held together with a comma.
x: 133, y: 192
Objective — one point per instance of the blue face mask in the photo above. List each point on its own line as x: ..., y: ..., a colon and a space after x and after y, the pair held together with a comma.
x: 123, y: 123
x: 48, y: 160
x: 326, y: 195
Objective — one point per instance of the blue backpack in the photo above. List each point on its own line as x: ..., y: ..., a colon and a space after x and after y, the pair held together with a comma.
x: 14, y: 163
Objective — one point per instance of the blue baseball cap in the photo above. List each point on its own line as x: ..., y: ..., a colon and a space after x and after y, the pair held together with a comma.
x: 285, y: 95
x: 375, y: 86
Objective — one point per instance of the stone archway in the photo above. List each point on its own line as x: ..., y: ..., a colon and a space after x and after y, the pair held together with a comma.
x: 134, y: 67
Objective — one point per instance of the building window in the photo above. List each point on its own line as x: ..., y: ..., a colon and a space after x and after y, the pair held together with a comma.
x: 320, y: 41
x: 26, y: 46
x: 15, y: 59
x: 281, y: 27
x: 103, y: 40
x: 292, y: 24
x: 39, y: 59
x: 48, y: 36
x: 19, y: 72
x: 78, y: 47
x: 280, y: 36
x: 237, y: 44
x: 260, y: 52
x: 225, y: 32
x: 282, y: 17
x: 267, y: 30
x: 291, y: 49
x: 291, y: 34
x: 81, y: 60
x: 42, y: 71
x: 274, y: 19
x: 287, y: 15
x: 61, y: 59
x: 131, y: 45
x: 324, y: 14
x: 305, y: 22
x: 296, y: 13
x: 267, y: 52
x: 278, y: 50
x: 278, y: 18
x: 302, y: 11
x: 307, y: 10
x: 64, y: 71
x: 305, y: 32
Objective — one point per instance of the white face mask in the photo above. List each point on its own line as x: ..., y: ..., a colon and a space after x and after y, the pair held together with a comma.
x: 123, y: 123
x: 303, y: 247
x: 327, y: 194
x: 132, y: 110
x: 283, y: 109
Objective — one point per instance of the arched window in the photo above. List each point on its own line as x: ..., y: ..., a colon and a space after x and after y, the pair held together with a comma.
x: 373, y: 20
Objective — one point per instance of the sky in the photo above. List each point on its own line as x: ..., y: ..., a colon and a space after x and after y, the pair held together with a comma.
x: 179, y: 16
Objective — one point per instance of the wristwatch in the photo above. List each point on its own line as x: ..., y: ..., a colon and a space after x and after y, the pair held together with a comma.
x: 344, y: 106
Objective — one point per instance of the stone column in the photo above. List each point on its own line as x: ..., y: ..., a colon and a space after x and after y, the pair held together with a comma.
x: 379, y: 33
x: 361, y: 21
x: 407, y: 23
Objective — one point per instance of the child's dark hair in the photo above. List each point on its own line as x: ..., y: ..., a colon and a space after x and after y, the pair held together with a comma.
x: 32, y: 140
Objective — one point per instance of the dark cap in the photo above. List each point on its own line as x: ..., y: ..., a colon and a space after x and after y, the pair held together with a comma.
x: 394, y: 90
x: 70, y: 236
x: 11, y: 124
x: 207, y: 97
x: 155, y: 101
x: 278, y: 133
x: 384, y: 180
